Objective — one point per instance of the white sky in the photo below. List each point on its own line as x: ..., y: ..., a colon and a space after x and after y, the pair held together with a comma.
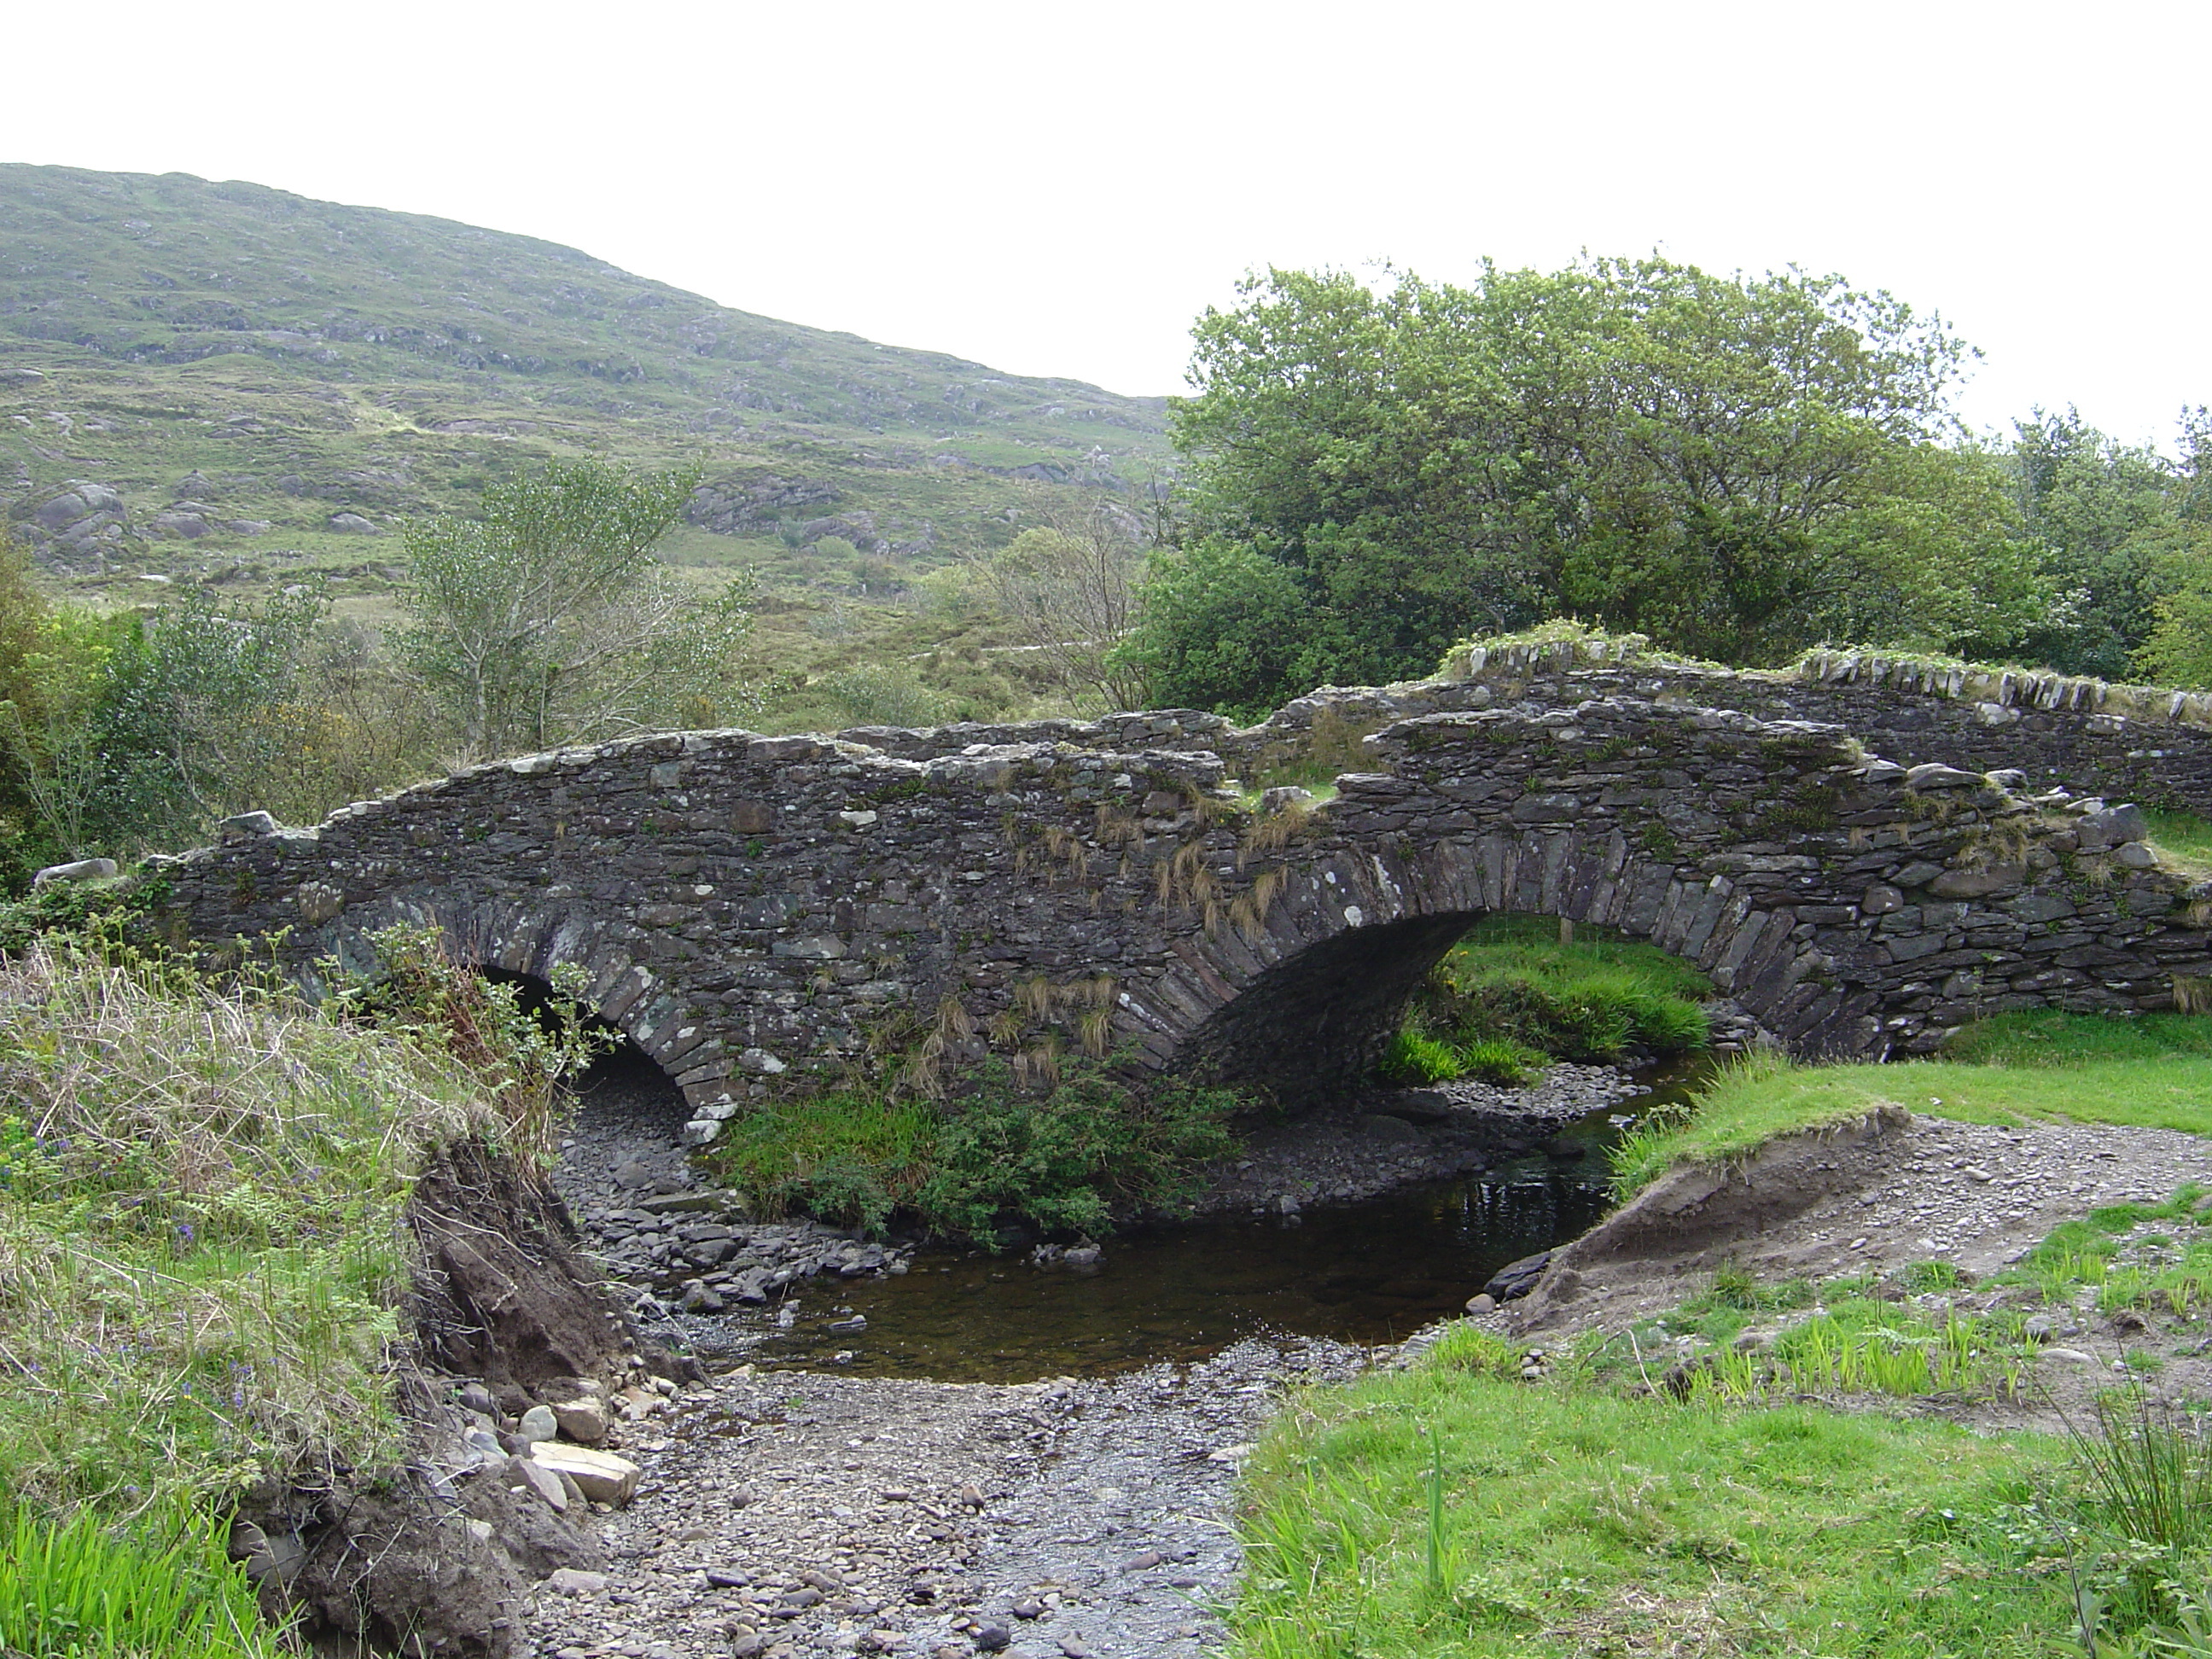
x: 1056, y: 190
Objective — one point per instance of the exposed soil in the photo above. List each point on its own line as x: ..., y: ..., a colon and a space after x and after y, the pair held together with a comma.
x: 441, y: 1559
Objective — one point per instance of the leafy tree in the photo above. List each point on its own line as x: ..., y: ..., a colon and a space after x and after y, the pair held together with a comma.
x: 1227, y: 628
x: 2180, y: 648
x: 2105, y: 514
x: 1070, y: 582
x: 193, y: 709
x: 1737, y: 467
x: 49, y: 663
x: 550, y: 620
x: 124, y: 732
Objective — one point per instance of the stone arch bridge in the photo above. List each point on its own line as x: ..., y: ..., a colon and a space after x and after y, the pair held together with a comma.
x: 756, y: 912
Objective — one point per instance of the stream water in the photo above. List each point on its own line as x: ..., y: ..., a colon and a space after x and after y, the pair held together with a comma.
x: 1367, y: 1273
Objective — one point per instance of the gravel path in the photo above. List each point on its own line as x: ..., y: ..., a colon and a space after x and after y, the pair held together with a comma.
x: 802, y: 1514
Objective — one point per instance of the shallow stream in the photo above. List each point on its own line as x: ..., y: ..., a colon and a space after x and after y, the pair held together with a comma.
x: 1368, y: 1272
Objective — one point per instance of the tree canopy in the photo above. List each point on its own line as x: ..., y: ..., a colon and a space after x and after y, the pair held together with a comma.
x: 1737, y: 467
x: 548, y: 619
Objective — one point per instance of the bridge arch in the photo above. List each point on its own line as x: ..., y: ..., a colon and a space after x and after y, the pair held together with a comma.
x: 1307, y: 1005
x: 530, y: 943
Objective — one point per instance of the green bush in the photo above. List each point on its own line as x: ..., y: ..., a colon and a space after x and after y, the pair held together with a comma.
x: 871, y: 693
x: 1064, y: 1159
x: 851, y: 1158
x: 61, y: 907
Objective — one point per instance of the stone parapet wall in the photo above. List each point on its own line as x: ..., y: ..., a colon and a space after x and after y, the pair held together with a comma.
x: 2145, y: 744
x: 760, y: 913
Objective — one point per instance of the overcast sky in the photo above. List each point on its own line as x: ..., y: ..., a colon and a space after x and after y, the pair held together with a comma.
x: 1058, y: 189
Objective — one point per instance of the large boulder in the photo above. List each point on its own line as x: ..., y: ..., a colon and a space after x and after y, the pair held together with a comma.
x: 81, y: 521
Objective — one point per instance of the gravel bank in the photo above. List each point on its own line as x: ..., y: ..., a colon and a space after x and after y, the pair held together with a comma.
x: 803, y: 1514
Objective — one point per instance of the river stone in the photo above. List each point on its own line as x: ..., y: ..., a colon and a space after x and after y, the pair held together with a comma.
x: 527, y: 1474
x: 699, y: 1296
x: 1517, y: 1279
x: 601, y: 1476
x: 584, y: 1421
x: 539, y: 1422
x: 1377, y: 1126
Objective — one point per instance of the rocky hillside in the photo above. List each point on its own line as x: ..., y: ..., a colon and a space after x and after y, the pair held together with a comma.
x: 227, y: 382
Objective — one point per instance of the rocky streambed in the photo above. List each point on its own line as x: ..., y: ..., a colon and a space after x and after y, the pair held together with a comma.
x: 884, y: 1448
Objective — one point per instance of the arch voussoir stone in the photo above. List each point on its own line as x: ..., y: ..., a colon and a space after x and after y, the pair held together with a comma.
x: 755, y: 913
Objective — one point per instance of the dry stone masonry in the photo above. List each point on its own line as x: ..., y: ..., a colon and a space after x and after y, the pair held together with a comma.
x: 760, y: 913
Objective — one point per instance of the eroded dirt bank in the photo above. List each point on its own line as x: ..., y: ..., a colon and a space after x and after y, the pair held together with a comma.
x: 1869, y: 1195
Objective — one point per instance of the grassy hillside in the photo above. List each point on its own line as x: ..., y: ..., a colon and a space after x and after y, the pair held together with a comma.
x: 243, y: 368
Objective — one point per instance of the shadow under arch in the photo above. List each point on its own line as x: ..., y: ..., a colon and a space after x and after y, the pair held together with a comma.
x: 1314, y: 1026
x: 621, y: 1071
x: 1306, y: 1008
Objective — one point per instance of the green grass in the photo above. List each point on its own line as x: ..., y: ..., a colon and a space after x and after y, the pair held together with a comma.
x: 166, y: 1588
x: 200, y: 1247
x: 2155, y: 1071
x: 853, y: 1157
x: 1510, y: 993
x: 204, y: 1257
x: 1576, y: 1520
x: 2166, y: 1269
x: 2184, y: 839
